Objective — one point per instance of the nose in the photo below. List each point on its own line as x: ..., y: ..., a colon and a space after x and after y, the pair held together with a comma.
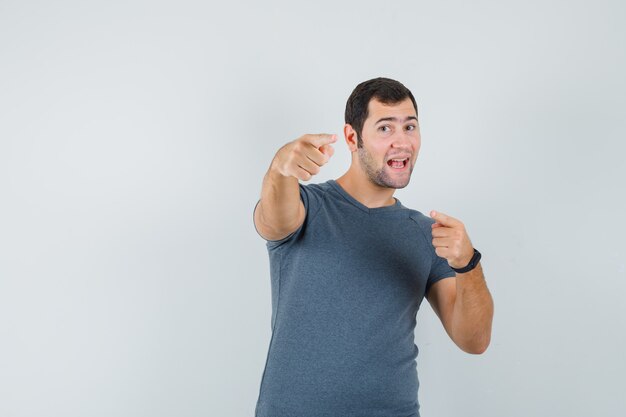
x: 402, y: 141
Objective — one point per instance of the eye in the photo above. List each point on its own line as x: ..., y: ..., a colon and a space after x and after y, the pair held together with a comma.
x: 384, y: 128
x: 411, y: 127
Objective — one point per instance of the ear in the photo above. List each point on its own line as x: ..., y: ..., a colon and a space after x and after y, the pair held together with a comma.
x: 351, y: 137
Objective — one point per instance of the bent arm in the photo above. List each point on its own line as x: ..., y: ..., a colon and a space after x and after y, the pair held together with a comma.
x: 465, y: 308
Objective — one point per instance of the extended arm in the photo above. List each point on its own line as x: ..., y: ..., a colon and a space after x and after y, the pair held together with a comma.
x: 280, y: 210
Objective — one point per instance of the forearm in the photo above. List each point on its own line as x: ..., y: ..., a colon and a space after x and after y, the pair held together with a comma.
x: 280, y: 200
x: 473, y: 312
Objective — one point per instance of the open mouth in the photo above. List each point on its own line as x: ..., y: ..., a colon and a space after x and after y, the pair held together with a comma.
x: 398, y: 163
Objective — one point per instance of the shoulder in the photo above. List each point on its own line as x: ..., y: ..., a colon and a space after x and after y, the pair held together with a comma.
x: 319, y: 188
x: 422, y: 222
x: 313, y: 194
x: 421, y: 219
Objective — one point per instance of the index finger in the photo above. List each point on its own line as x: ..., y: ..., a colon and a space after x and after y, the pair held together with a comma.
x: 320, y: 139
x: 443, y: 219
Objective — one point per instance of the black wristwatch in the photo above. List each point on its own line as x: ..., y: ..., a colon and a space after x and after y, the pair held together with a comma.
x: 471, y: 265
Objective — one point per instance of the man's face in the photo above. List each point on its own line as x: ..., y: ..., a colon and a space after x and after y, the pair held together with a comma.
x: 390, y: 132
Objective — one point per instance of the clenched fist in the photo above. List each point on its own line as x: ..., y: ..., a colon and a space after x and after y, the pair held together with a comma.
x: 303, y: 157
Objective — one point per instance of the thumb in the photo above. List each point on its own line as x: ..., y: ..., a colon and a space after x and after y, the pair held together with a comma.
x: 327, y: 150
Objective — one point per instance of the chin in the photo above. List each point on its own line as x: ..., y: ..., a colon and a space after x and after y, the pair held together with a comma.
x: 388, y: 183
x: 402, y: 185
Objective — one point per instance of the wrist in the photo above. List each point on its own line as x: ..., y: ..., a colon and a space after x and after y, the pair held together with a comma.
x: 274, y: 173
x: 471, y: 264
x: 463, y: 262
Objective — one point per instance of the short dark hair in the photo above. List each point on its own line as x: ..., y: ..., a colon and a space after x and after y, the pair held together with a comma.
x: 385, y: 90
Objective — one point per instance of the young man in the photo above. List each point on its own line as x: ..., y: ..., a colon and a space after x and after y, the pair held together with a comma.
x: 350, y: 266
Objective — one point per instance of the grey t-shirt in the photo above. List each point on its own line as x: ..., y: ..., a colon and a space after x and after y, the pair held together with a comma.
x: 346, y: 287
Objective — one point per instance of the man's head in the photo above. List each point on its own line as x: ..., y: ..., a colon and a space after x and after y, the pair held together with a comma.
x: 381, y: 125
x: 384, y: 90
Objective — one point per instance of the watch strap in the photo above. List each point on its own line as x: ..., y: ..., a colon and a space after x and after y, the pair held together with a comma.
x: 471, y: 265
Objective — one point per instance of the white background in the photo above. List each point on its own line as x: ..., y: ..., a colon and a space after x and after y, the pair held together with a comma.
x: 134, y: 137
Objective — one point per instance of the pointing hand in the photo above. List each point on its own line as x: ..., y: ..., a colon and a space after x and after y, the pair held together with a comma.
x: 451, y: 240
x: 303, y: 157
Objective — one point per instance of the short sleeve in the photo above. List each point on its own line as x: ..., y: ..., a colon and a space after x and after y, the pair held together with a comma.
x: 438, y: 270
x: 311, y: 196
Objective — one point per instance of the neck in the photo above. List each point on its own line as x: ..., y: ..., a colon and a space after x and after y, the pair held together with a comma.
x: 359, y: 186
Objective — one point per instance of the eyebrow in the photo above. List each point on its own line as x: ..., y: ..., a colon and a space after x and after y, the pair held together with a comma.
x: 395, y: 119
